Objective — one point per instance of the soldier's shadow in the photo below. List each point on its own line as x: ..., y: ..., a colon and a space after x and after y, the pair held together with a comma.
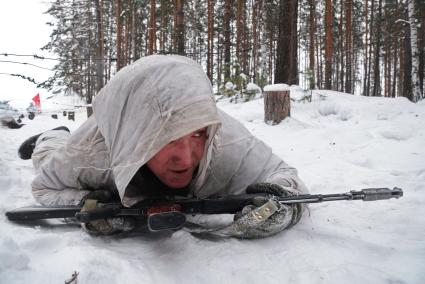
x: 47, y: 224
x: 140, y: 232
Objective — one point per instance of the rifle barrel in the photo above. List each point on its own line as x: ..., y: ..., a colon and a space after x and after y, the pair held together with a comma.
x: 367, y: 194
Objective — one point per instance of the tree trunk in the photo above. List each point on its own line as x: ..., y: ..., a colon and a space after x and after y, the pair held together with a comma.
x: 387, y: 68
x: 277, y: 106
x: 402, y: 64
x: 394, y: 80
x: 99, y: 51
x: 245, y: 44
x: 152, y: 28
x: 421, y: 46
x: 348, y: 47
x: 162, y: 28
x: 110, y: 35
x: 226, y: 29
x: 365, y: 65
x: 339, y: 74
x: 255, y: 39
x: 127, y: 45
x: 407, y: 66
x: 376, y: 92
x: 271, y: 52
x: 133, y: 54
x: 210, y: 40
x: 100, y: 47
x: 319, y: 69
x: 371, y: 38
x: 179, y: 28
x: 328, y: 45
x: 287, y: 57
x: 239, y: 31
x: 416, y: 90
x: 119, y: 34
x: 219, y: 61
x: 311, y: 32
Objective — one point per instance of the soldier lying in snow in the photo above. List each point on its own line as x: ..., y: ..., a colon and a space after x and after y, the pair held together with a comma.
x: 156, y: 131
x: 10, y: 122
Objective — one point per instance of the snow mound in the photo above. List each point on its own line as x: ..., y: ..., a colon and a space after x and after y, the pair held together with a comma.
x: 332, y: 108
x: 251, y: 87
x: 397, y: 133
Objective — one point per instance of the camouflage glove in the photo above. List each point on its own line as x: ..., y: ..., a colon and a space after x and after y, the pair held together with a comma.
x: 277, y: 190
x: 265, y: 217
x: 104, y: 226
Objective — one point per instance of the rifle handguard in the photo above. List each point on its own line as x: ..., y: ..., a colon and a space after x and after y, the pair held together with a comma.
x: 97, y: 213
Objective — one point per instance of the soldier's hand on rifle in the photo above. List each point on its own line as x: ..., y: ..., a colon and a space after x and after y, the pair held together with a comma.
x: 266, y: 216
x: 107, y: 226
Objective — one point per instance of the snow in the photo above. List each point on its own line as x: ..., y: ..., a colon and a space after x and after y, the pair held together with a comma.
x: 338, y: 143
x: 276, y: 88
x: 229, y: 85
x: 24, y: 32
x: 252, y: 87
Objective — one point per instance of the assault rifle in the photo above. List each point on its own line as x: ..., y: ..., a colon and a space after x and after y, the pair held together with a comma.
x: 169, y: 214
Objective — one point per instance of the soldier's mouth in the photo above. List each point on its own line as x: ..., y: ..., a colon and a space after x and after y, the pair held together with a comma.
x: 180, y: 171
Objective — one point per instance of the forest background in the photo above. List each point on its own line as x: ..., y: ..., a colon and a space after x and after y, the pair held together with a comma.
x: 367, y: 47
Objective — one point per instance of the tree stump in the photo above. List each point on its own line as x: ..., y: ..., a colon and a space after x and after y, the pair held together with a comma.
x: 277, y: 106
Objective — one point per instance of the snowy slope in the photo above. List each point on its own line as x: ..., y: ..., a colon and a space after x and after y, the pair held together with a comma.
x: 338, y: 143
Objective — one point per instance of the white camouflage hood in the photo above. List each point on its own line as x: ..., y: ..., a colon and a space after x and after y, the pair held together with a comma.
x: 148, y: 104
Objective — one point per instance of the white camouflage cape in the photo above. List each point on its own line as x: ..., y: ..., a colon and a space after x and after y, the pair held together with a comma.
x: 145, y: 106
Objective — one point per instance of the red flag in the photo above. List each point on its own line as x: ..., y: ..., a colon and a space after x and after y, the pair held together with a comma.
x: 36, y: 101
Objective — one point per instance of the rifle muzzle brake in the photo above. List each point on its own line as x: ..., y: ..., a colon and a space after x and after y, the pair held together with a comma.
x: 372, y: 194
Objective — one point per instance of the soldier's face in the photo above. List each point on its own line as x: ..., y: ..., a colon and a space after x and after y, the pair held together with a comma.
x: 176, y: 163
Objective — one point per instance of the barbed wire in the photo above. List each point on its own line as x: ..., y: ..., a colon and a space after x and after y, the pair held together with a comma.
x: 113, y: 59
x: 20, y: 76
x: 48, y: 85
x: 25, y: 63
x: 35, y: 56
x: 32, y: 80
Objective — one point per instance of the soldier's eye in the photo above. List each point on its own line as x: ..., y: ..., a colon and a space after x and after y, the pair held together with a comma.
x: 200, y: 133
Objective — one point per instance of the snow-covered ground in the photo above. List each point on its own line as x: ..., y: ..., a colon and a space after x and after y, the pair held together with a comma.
x: 338, y: 142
